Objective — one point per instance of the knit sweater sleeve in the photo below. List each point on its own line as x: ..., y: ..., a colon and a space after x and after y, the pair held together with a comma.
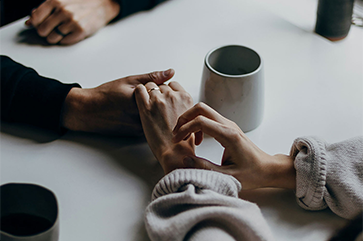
x: 192, y: 204
x: 29, y: 98
x: 329, y: 175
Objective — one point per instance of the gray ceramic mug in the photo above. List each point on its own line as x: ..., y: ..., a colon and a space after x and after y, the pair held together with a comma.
x: 28, y: 213
x: 233, y: 85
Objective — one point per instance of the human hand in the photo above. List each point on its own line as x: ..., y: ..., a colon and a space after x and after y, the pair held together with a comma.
x: 69, y: 21
x: 109, y: 108
x: 159, y: 110
x: 241, y: 158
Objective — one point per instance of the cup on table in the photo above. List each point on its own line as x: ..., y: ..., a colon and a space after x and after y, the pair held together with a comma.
x: 233, y: 85
x: 28, y: 213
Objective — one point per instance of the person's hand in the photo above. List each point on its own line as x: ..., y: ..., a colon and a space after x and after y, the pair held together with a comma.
x: 242, y: 158
x: 109, y: 108
x: 69, y: 21
x: 159, y: 110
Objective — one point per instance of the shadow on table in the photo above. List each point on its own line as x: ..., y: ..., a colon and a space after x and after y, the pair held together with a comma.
x: 130, y: 153
x: 31, y: 37
x: 23, y: 131
x: 282, y: 205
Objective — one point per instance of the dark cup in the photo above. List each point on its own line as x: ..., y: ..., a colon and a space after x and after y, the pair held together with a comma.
x: 334, y: 18
x: 28, y: 213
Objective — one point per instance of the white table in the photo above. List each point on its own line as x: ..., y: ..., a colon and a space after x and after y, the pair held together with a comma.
x: 103, y: 184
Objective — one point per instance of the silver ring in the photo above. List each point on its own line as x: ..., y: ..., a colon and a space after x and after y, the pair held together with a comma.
x: 155, y: 88
x: 59, y: 32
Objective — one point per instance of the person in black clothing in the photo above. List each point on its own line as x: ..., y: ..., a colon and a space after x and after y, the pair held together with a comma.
x: 110, y: 108
x: 68, y: 21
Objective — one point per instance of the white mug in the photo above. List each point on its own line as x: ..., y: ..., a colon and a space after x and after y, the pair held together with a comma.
x: 233, y: 85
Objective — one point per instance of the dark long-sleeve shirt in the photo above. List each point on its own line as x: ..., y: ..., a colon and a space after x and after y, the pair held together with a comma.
x: 27, y: 97
x: 129, y: 7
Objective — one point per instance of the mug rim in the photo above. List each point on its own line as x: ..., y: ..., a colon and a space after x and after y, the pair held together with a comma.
x: 228, y: 75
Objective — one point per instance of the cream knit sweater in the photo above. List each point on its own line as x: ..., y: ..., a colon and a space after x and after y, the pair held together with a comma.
x: 191, y: 204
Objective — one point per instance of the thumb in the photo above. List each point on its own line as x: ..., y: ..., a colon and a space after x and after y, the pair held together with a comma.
x: 158, y: 77
x: 200, y: 163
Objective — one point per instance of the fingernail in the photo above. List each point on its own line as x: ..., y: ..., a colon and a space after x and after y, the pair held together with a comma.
x: 188, y: 161
x: 166, y: 73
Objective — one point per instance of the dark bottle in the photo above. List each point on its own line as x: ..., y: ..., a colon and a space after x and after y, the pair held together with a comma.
x: 334, y: 18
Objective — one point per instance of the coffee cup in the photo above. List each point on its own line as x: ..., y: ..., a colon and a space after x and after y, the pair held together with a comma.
x: 233, y: 85
x: 28, y: 213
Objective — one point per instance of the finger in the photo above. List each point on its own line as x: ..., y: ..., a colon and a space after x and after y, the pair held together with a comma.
x: 54, y: 37
x: 218, y: 131
x: 48, y: 25
x: 141, y: 96
x: 39, y: 14
x: 198, y: 138
x: 73, y: 37
x: 63, y: 30
x: 152, y: 89
x: 201, y: 163
x: 158, y: 77
x: 176, y: 86
x: 67, y: 27
x: 28, y: 22
x: 164, y: 88
x: 196, y: 110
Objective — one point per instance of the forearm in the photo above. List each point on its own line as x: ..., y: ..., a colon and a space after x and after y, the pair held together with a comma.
x: 190, y: 198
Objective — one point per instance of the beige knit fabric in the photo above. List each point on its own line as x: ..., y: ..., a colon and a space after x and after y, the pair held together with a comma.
x: 329, y: 175
x: 190, y: 204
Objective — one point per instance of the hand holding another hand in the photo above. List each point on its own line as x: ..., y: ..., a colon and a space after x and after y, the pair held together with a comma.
x: 69, y: 21
x: 241, y: 159
x: 109, y: 108
x: 159, y: 110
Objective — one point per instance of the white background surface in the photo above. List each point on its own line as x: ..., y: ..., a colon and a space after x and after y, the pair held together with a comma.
x: 103, y: 184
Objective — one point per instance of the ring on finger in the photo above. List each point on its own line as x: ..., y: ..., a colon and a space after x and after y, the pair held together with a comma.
x: 59, y: 32
x: 155, y: 88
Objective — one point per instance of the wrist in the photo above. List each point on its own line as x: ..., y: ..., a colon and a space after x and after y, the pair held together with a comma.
x: 172, y: 158
x: 74, y: 107
x: 282, y: 173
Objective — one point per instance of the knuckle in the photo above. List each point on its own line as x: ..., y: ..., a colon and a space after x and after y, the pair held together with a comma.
x: 138, y: 90
x: 199, y: 120
x: 41, y: 31
x: 52, y: 40
x: 200, y: 106
x: 186, y: 96
x: 159, y: 101
x: 234, y: 136
x: 153, y: 76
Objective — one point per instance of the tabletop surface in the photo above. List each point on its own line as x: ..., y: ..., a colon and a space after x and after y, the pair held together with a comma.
x: 103, y: 184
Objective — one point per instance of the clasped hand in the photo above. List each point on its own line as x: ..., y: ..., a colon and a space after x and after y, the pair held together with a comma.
x: 173, y: 127
x: 69, y: 21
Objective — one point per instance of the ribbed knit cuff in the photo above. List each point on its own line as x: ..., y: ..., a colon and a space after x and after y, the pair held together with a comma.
x: 311, y: 171
x: 203, y: 179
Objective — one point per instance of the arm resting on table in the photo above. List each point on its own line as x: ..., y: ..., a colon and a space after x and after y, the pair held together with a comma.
x: 192, y: 204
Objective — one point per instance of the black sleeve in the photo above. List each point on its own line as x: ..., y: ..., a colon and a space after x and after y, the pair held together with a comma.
x: 29, y: 98
x: 128, y: 7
